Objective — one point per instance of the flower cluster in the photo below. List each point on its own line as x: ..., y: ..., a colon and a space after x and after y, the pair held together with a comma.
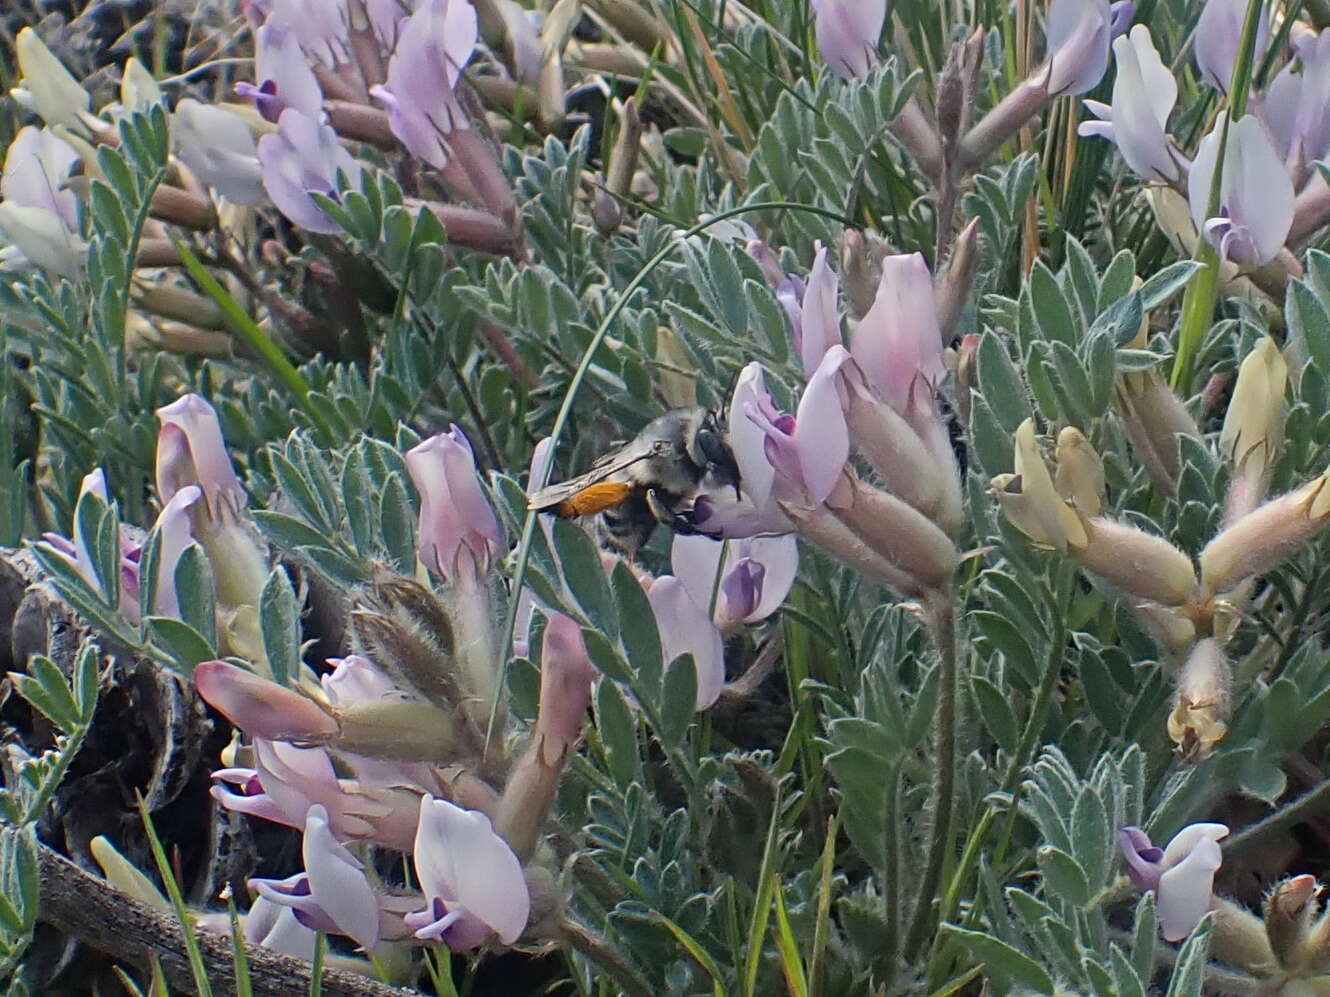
x: 1191, y: 611
x: 1267, y: 195
x: 877, y: 399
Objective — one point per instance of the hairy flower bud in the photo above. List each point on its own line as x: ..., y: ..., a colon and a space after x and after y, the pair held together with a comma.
x: 952, y: 292
x: 1289, y: 910
x: 1261, y: 540
x: 263, y: 708
x: 1201, y: 708
x: 1254, y: 426
x: 1137, y: 562
x: 1080, y: 472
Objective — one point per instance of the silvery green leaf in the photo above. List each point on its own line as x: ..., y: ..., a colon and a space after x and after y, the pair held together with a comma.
x: 1063, y: 875
x: 279, y: 622
x: 1189, y: 972
x: 678, y: 699
x: 1002, y: 958
x: 195, y: 592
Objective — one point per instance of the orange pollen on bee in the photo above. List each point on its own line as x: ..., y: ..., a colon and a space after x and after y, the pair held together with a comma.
x: 593, y: 499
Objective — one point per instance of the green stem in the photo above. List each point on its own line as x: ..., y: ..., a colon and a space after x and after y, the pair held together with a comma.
x: 1198, y: 304
x: 579, y: 376
x: 1311, y: 802
x: 1034, y: 723
x: 943, y: 620
x: 245, y: 327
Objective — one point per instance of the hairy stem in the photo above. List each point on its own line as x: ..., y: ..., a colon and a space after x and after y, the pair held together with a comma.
x: 604, y: 955
x: 942, y: 614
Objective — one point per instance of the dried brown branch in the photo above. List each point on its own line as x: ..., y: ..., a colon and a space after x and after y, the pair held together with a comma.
x: 91, y: 910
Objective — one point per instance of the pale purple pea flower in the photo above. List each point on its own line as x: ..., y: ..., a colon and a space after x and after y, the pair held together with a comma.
x: 1218, y: 36
x: 39, y: 216
x: 1297, y: 105
x: 285, y: 79
x: 755, y: 578
x: 303, y: 157
x: 218, y: 147
x: 434, y: 45
x: 275, y: 926
x: 790, y: 293
x: 319, y: 27
x: 807, y: 450
x: 819, y: 314
x: 459, y: 534
x: 755, y: 510
x: 1144, y: 93
x: 333, y: 894
x: 1256, y: 199
x: 847, y: 34
x: 176, y: 530
x: 686, y: 628
x: 1121, y: 13
x: 1079, y: 32
x: 1181, y: 875
x: 899, y: 342
x: 286, y: 781
x: 472, y: 880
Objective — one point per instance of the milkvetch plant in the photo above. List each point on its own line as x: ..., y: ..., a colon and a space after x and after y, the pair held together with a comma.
x: 998, y: 666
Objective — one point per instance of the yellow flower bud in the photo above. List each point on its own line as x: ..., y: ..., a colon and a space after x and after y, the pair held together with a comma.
x: 1080, y: 473
x: 47, y: 86
x: 1198, y: 721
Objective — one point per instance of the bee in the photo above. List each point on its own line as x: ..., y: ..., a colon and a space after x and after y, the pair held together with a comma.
x: 652, y: 479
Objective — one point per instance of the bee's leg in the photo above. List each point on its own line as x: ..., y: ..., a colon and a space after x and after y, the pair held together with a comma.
x: 679, y: 522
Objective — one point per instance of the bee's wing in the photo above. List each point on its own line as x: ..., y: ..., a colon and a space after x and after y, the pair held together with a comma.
x: 594, y: 491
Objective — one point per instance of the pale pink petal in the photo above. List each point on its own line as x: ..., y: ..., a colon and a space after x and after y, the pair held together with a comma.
x: 1184, y: 891
x: 819, y: 316
x: 685, y: 628
x: 337, y: 881
x: 821, y: 436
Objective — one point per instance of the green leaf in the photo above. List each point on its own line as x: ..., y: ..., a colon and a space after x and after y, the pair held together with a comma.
x: 288, y: 532
x: 181, y: 642
x: 1002, y: 958
x: 678, y: 700
x: 44, y: 686
x: 1309, y: 323
x: 605, y: 656
x: 639, y: 634
x: 1063, y: 875
x: 618, y: 733
x: 1001, y: 384
x: 279, y: 621
x: 1051, y: 309
x: 1145, y: 939
x: 1167, y: 282
x: 195, y: 593
x: 1189, y: 971
x: 996, y: 712
x: 1003, y: 635
x: 585, y: 576
x: 1090, y: 836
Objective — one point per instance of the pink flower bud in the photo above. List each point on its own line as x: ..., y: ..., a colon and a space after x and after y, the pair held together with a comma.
x: 847, y: 34
x: 262, y: 708
x: 566, y: 674
x: 191, y: 451
x: 459, y: 534
x: 899, y: 341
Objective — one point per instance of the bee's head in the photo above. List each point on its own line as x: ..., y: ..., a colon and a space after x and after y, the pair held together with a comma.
x: 708, y: 449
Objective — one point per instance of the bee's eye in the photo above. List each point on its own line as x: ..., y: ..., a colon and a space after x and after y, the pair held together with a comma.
x: 712, y: 446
